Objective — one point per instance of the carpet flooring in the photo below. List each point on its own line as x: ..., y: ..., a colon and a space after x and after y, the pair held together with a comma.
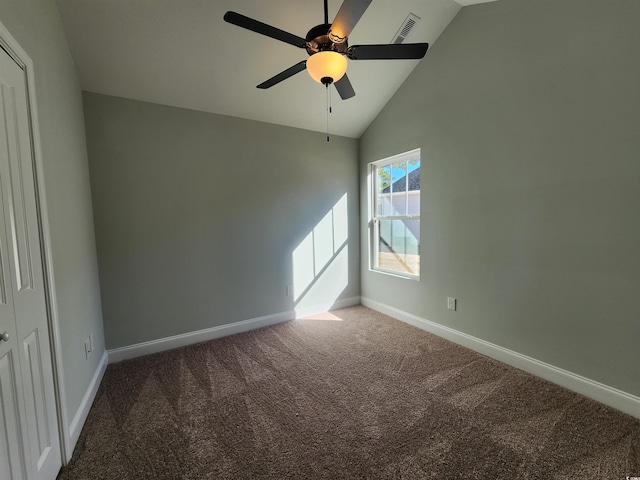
x: 351, y: 394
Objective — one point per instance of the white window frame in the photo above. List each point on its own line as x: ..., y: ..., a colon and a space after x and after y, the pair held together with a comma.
x: 375, y: 216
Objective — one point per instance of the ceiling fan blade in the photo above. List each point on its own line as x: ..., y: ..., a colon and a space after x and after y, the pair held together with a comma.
x: 347, y: 17
x: 289, y: 72
x: 344, y: 87
x: 264, y: 29
x: 406, y: 51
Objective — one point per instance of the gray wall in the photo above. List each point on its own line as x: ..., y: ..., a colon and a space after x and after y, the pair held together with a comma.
x: 35, y: 24
x: 199, y: 217
x: 528, y: 117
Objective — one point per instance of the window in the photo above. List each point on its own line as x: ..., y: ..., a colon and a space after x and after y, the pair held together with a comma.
x: 395, y: 239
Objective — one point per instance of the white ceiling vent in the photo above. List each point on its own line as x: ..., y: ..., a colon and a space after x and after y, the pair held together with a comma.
x: 406, y: 28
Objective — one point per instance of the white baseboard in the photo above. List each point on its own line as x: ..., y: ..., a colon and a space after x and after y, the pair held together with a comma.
x: 83, y: 410
x: 600, y: 392
x: 184, y: 339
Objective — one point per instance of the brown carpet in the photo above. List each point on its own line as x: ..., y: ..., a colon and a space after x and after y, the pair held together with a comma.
x: 347, y: 395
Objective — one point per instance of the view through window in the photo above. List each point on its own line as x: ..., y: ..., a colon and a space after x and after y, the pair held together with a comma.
x: 395, y: 242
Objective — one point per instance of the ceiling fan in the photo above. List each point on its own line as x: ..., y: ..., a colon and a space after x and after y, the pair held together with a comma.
x: 328, y: 48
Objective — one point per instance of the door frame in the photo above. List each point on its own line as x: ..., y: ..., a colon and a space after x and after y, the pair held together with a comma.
x: 20, y: 56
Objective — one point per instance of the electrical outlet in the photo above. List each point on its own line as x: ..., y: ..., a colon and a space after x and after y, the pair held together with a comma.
x: 451, y: 303
x: 91, y: 343
x: 87, y: 348
x: 289, y: 290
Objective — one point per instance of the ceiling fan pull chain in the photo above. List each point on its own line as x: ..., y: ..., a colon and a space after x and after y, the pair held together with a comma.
x: 328, y: 110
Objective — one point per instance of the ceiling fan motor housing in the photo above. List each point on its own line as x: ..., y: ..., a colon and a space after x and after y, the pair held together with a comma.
x: 318, y: 41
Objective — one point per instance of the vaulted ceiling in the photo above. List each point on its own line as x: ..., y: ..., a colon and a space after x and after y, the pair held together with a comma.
x: 181, y: 53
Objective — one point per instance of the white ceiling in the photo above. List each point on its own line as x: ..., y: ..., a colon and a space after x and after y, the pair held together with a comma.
x: 181, y: 53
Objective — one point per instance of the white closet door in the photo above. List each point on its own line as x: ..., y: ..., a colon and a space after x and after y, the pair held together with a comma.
x: 29, y: 439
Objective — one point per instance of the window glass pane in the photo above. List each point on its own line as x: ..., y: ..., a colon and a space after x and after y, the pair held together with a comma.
x: 383, y: 186
x: 413, y: 207
x: 399, y: 245
x: 399, y: 188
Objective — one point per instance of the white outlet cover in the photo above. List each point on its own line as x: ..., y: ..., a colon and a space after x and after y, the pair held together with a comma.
x: 451, y: 303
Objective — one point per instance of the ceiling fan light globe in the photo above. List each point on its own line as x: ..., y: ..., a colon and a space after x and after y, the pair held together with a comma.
x: 326, y: 64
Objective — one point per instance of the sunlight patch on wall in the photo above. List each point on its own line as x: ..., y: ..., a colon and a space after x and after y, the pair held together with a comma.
x: 321, y: 260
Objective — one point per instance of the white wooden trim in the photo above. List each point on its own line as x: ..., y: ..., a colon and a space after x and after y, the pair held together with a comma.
x: 190, y: 338
x: 85, y: 405
x: 600, y: 392
x: 17, y: 52
x: 184, y: 339
x: 399, y: 157
x: 396, y: 217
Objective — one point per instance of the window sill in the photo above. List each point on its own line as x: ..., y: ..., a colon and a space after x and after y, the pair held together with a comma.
x: 391, y: 273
